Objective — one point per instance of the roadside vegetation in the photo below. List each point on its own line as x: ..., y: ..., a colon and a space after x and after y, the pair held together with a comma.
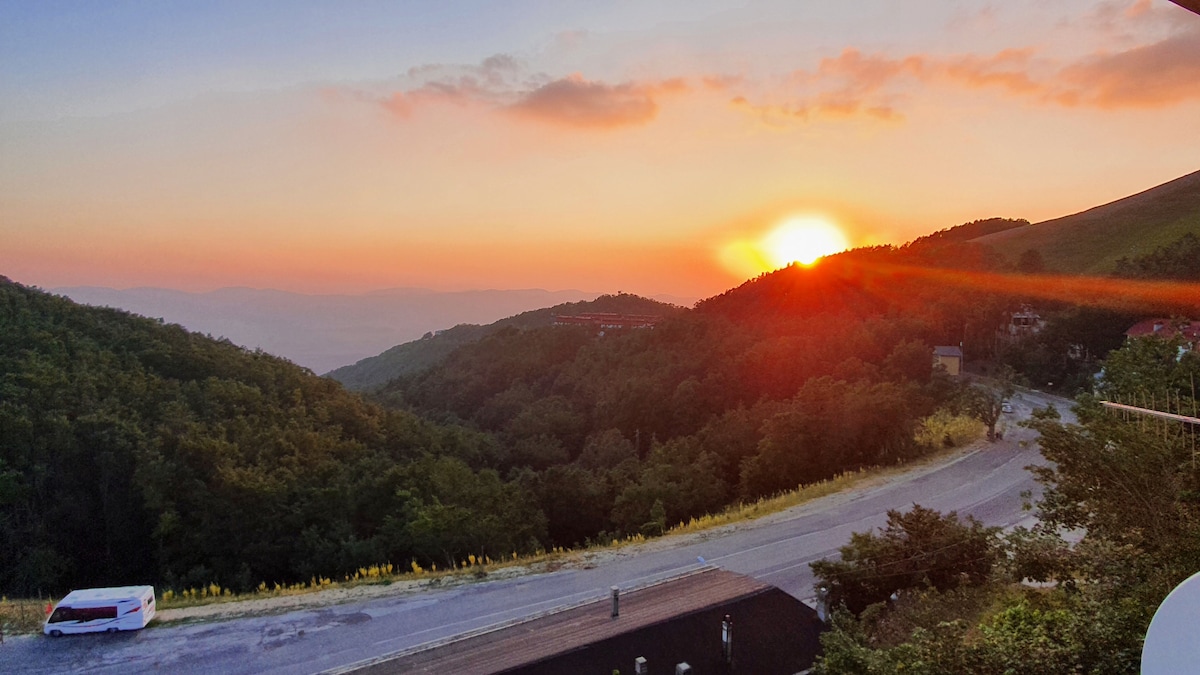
x: 26, y: 615
x: 932, y: 593
x: 21, y: 615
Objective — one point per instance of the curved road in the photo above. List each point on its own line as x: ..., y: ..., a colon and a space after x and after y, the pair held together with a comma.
x: 986, y: 483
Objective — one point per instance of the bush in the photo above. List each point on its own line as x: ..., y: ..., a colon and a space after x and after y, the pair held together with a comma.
x: 942, y: 426
x: 921, y: 548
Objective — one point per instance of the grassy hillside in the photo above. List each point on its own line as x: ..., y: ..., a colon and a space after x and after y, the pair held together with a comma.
x: 420, y: 355
x: 1091, y: 242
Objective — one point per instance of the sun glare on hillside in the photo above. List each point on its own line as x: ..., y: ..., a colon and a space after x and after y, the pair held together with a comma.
x: 803, y: 239
x: 797, y: 239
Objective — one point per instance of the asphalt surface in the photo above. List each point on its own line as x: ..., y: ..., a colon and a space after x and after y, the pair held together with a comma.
x: 986, y: 483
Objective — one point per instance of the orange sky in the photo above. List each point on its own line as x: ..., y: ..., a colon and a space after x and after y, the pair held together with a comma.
x: 562, y: 147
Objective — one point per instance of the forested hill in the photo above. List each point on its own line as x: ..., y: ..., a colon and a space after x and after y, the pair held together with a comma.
x: 135, y: 452
x: 634, y: 430
x: 419, y: 355
x: 789, y: 378
x: 875, y: 282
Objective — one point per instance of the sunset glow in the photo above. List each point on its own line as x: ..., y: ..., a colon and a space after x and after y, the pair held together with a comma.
x: 803, y: 240
x: 647, y: 147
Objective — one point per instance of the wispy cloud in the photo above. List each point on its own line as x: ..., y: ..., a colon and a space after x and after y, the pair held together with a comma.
x: 502, y: 84
x: 1155, y: 75
x: 490, y: 82
x: 577, y: 102
x: 851, y: 85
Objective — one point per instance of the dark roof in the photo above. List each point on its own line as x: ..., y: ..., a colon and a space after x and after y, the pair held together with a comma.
x: 947, y: 351
x: 1193, y: 5
x: 676, y: 620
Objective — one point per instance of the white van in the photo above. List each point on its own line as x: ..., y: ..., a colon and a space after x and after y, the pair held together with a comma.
x: 94, y: 610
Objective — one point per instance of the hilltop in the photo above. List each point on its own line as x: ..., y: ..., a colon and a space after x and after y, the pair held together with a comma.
x: 1091, y: 242
x: 321, y: 332
x: 419, y: 355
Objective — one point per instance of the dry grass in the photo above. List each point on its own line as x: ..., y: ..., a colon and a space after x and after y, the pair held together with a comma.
x: 21, y: 616
x: 744, y: 511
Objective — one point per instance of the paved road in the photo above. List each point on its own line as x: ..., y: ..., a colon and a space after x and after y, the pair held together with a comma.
x: 986, y: 483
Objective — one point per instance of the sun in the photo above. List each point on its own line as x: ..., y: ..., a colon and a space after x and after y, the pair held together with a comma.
x: 803, y: 239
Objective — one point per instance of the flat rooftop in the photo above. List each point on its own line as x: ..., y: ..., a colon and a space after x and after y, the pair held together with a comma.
x: 516, y: 645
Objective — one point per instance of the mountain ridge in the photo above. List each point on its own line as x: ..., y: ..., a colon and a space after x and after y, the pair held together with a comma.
x: 319, y: 331
x: 1091, y: 241
x: 416, y: 355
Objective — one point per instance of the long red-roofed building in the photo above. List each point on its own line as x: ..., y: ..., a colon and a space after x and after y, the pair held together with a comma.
x: 608, y: 321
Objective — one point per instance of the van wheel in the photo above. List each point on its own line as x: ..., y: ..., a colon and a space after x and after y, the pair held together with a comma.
x: 56, y: 633
x: 111, y: 630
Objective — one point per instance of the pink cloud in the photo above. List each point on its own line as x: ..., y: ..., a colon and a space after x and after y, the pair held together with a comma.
x: 853, y: 84
x: 1161, y: 74
x: 864, y: 74
x: 1008, y: 70
x: 500, y: 83
x: 576, y: 102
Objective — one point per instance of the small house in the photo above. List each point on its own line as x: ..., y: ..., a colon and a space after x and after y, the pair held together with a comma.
x: 950, y: 358
x: 1023, y: 322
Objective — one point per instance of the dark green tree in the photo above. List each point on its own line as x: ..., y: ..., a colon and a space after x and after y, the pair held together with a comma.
x: 918, y: 549
x: 986, y: 401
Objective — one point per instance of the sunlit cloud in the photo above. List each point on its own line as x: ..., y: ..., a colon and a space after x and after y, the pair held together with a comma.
x: 501, y: 83
x: 492, y: 83
x: 1008, y: 70
x: 859, y: 74
x: 1155, y: 75
x: 577, y: 102
x: 853, y: 84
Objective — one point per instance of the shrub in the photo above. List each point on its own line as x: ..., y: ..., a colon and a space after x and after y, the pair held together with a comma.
x: 921, y: 548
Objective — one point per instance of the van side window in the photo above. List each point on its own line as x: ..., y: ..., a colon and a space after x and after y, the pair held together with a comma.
x: 94, y: 613
x: 82, y: 614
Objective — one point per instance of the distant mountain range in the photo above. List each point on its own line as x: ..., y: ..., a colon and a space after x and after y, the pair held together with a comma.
x: 321, y: 332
